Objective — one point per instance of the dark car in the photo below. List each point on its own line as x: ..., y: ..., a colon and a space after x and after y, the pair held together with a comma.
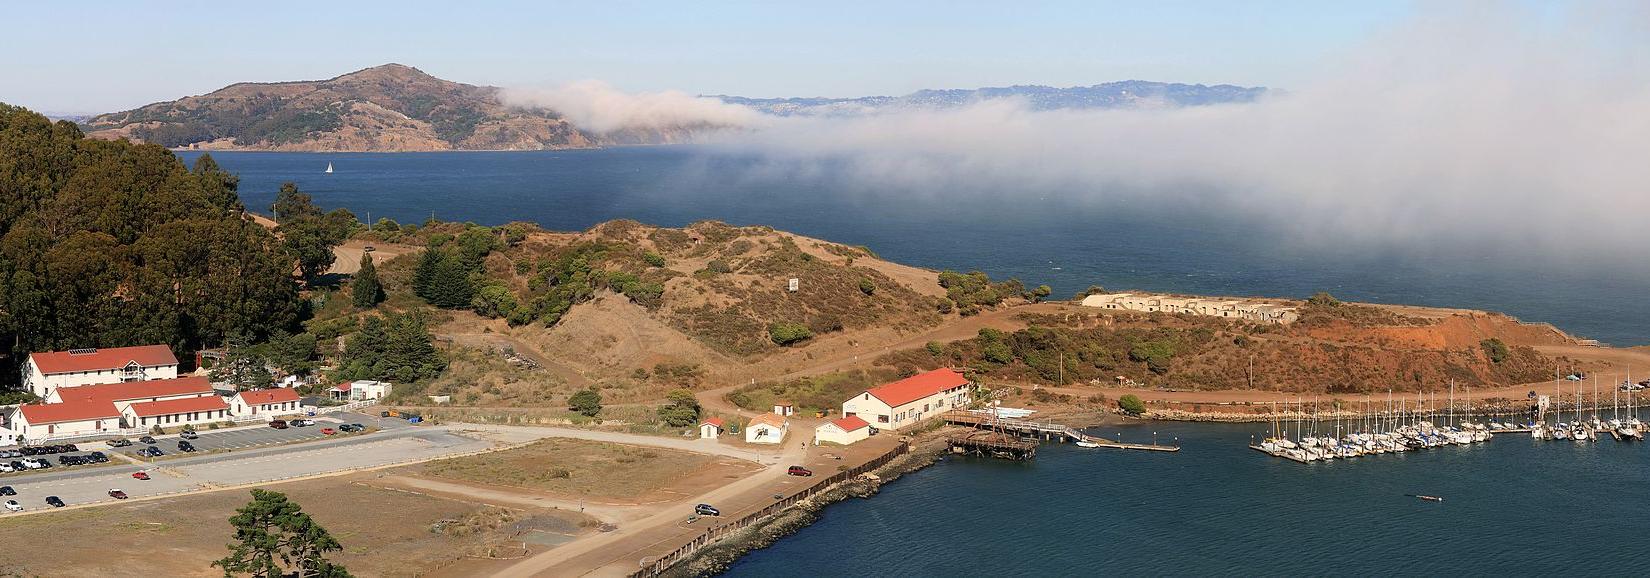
x: 98, y: 457
x: 119, y: 443
x: 706, y: 510
x: 278, y: 424
x: 799, y: 471
x: 184, y: 446
x: 28, y: 450
x: 54, y: 501
x: 69, y: 460
x: 7, y: 491
x: 147, y: 439
x: 117, y: 494
x: 17, y: 465
x: 71, y: 448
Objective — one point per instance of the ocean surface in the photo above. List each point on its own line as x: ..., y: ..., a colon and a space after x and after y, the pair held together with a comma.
x: 1040, y: 237
x: 1513, y: 506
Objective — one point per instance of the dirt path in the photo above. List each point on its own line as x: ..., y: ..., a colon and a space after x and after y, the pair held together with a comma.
x: 617, y: 553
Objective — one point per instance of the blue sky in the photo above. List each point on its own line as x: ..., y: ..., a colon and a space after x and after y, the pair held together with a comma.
x: 98, y: 57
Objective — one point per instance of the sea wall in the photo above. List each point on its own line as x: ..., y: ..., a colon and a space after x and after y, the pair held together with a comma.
x: 715, y: 555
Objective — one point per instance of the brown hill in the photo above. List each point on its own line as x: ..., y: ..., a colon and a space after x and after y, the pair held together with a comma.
x: 385, y: 108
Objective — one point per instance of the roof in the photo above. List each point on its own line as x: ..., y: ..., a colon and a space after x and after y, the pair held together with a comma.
x: 268, y: 396
x: 715, y: 421
x: 769, y: 419
x: 45, y: 413
x: 781, y: 402
x: 917, y: 387
x: 129, y: 390
x: 174, y: 406
x: 102, y: 359
x: 850, y: 423
x: 341, y: 387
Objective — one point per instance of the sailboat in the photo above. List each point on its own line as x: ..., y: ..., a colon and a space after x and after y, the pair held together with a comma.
x: 329, y: 167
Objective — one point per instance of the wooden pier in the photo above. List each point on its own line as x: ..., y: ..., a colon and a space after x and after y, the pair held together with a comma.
x: 994, y: 444
x: 1042, y: 431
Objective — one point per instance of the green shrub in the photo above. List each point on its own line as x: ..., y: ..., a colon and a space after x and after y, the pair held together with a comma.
x: 1131, y: 404
x: 786, y: 333
x: 653, y: 259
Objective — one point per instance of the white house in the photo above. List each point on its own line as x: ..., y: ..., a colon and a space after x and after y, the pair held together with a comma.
x: 766, y: 428
x: 45, y: 372
x: 710, y: 428
x: 361, y: 390
x: 38, y: 421
x: 265, y: 402
x: 783, y: 409
x: 843, y: 431
x: 907, y: 401
x: 1261, y: 311
x: 176, y: 412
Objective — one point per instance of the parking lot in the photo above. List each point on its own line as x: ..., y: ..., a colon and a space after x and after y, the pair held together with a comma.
x: 262, y: 435
x: 268, y: 462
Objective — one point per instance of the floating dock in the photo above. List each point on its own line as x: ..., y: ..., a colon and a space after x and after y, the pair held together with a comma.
x: 1043, y: 431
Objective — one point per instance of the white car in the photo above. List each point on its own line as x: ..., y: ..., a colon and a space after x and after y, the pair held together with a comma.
x: 6, y: 469
x: 33, y: 464
x: 14, y: 506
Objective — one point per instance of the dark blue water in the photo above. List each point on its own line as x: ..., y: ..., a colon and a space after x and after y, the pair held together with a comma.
x: 1513, y: 506
x: 1051, y: 237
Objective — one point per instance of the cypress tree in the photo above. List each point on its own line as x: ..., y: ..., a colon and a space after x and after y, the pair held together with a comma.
x: 450, y: 286
x: 366, y: 290
x: 424, y: 275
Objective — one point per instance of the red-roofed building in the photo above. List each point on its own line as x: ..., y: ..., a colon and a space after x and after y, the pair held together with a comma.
x: 264, y: 402
x: 127, y: 393
x: 711, y: 427
x: 45, y: 372
x: 176, y: 412
x: 907, y: 401
x: 843, y: 431
x: 766, y: 428
x: 38, y: 421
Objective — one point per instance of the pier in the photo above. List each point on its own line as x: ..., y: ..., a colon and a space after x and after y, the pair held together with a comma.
x: 1043, y: 431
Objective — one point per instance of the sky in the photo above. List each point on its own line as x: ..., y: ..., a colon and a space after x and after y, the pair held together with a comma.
x: 89, y: 57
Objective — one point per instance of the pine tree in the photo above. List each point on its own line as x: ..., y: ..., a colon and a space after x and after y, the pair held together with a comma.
x: 450, y: 286
x: 424, y: 274
x: 365, y: 289
x: 274, y: 537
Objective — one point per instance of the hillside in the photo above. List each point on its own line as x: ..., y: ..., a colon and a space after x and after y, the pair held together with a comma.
x: 385, y: 108
x: 1130, y: 93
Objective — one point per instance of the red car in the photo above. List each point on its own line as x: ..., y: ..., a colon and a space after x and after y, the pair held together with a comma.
x: 799, y: 471
x: 141, y: 475
x: 117, y: 494
x: 328, y: 431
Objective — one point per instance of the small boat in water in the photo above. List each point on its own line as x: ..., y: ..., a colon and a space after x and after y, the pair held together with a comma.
x: 1087, y: 444
x: 329, y: 168
x: 1429, y: 498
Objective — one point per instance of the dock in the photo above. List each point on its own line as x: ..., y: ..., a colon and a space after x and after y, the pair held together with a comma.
x: 1043, y: 431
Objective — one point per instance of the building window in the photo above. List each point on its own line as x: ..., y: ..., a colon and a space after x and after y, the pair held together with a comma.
x: 882, y: 419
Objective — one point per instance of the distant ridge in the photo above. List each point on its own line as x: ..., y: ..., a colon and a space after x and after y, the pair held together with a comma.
x: 392, y: 107
x: 1125, y: 94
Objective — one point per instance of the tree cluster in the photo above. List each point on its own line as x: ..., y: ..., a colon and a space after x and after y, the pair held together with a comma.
x: 682, y: 409
x: 309, y: 234
x: 974, y: 290
x: 391, y: 347
x: 109, y: 243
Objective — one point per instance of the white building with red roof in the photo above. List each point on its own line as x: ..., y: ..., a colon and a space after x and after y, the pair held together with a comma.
x: 361, y: 390
x: 711, y: 427
x: 95, y: 409
x: 843, y: 431
x: 46, y: 372
x: 907, y: 401
x: 766, y: 428
x: 265, y: 402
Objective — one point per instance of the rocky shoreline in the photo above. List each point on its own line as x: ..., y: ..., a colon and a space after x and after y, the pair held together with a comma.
x: 717, y: 558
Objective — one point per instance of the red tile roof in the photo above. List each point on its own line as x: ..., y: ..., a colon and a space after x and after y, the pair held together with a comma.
x: 130, y: 390
x: 103, y: 359
x: 341, y: 387
x: 44, y: 413
x: 850, y: 423
x: 173, y: 406
x: 715, y: 421
x: 917, y: 387
x: 268, y: 396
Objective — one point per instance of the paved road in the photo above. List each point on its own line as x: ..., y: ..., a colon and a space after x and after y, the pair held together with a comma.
x: 263, y: 435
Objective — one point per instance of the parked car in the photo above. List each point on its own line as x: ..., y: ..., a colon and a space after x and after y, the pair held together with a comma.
x: 189, y: 435
x: 184, y: 446
x: 328, y: 431
x: 300, y: 423
x: 278, y: 424
x: 98, y: 457
x: 119, y: 442
x: 9, y: 453
x: 18, y: 466
x: 7, y: 491
x: 140, y: 475
x: 799, y: 471
x: 6, y: 468
x: 14, y: 506
x: 71, y: 448
x: 68, y: 460
x: 706, y: 510
x: 54, y: 501
x: 117, y: 494
x: 147, y: 439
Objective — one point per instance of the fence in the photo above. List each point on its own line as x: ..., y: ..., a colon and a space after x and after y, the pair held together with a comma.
x: 659, y: 565
x: 351, y: 406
